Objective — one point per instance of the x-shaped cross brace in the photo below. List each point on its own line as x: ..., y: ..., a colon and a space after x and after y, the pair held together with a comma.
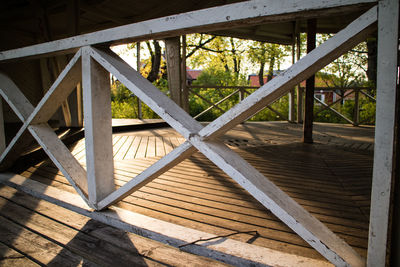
x: 99, y: 193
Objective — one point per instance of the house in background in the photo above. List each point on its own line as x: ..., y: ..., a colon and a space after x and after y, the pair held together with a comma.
x: 326, y: 96
x: 192, y: 75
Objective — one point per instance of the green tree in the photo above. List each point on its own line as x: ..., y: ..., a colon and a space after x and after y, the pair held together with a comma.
x: 262, y: 53
x: 219, y: 52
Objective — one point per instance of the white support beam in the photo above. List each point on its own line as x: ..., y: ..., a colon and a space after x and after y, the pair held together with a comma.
x: 313, y: 231
x: 56, y: 95
x: 98, y: 129
x: 15, y: 98
x: 61, y: 157
x: 22, y: 108
x: 96, y: 63
x: 383, y: 175
x: 281, y: 205
x: 344, y: 40
x: 216, y: 18
x: 42, y: 132
x: 180, y: 153
x: 175, y: 116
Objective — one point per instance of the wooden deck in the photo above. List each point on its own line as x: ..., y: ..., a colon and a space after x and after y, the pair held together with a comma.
x: 331, y: 179
x: 38, y: 233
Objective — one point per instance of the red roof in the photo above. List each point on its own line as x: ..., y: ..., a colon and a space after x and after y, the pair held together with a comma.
x: 254, y: 81
x: 192, y: 74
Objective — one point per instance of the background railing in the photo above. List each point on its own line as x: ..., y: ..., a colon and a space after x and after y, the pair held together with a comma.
x: 220, y: 95
x: 335, y: 100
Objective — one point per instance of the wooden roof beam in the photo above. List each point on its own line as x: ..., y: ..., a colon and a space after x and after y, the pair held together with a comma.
x: 217, y: 18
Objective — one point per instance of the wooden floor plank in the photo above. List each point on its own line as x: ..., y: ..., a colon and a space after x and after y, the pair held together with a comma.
x: 73, y: 240
x: 92, y: 240
x: 119, y: 144
x: 124, y: 149
x: 151, y: 147
x: 331, y: 179
x: 168, y: 144
x: 11, y: 257
x: 131, y: 154
x: 141, y: 152
x: 160, y: 149
x: 36, y: 246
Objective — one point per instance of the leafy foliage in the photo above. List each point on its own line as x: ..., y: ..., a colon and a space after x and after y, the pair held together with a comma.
x: 225, y: 62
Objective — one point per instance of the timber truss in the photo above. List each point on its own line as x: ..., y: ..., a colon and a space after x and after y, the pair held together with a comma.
x: 96, y: 186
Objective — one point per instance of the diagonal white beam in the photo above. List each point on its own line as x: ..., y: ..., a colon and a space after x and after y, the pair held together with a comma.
x: 174, y: 115
x: 170, y: 160
x: 58, y: 92
x: 267, y: 94
x: 281, y: 205
x: 334, y: 47
x: 314, y: 232
x: 44, y: 135
x: 61, y: 157
x: 309, y: 228
x: 216, y: 18
x: 15, y: 98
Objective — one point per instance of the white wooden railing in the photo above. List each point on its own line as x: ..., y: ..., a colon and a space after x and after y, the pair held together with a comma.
x: 92, y: 65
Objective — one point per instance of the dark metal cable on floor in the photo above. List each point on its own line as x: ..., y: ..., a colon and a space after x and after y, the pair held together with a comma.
x: 220, y: 236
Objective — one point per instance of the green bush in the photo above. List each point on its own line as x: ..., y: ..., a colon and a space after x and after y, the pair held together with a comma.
x: 124, y: 103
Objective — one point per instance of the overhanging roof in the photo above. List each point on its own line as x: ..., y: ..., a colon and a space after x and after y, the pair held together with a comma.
x: 26, y: 22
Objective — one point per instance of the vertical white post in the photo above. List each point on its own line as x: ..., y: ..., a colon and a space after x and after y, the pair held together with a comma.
x: 388, y: 19
x: 98, y: 130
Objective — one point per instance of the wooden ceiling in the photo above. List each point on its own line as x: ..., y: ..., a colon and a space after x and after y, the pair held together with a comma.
x: 26, y: 22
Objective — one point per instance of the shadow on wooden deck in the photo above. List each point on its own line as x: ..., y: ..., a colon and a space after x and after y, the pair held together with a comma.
x: 331, y: 179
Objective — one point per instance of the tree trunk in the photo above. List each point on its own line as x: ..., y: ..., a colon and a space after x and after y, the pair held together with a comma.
x: 271, y: 69
x: 155, y: 62
x: 372, y: 60
x: 261, y: 74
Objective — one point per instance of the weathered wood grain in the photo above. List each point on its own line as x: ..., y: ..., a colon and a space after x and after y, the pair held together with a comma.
x: 386, y: 123
x: 98, y: 130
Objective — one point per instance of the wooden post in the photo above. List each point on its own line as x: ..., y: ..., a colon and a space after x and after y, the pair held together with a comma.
x: 98, y: 130
x: 241, y: 94
x: 172, y: 46
x: 2, y: 132
x: 185, y: 90
x: 139, y: 103
x: 356, y: 114
x: 291, y: 93
x: 74, y: 29
x: 79, y: 103
x: 383, y: 170
x: 310, y: 85
x: 299, y: 90
x: 395, y: 222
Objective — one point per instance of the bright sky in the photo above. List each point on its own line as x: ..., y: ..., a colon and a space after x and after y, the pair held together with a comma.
x: 129, y: 55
